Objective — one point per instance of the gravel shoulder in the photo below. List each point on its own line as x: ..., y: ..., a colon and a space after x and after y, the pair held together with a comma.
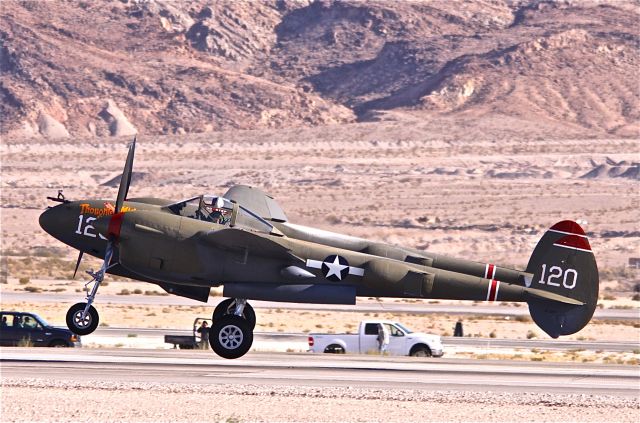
x: 63, y: 401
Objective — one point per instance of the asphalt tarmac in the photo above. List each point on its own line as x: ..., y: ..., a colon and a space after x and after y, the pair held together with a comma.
x: 203, y: 367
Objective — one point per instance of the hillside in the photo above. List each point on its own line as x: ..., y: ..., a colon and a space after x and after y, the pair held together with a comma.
x: 163, y: 67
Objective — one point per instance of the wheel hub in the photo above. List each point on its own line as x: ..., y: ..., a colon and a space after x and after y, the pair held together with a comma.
x: 79, y: 321
x: 230, y: 337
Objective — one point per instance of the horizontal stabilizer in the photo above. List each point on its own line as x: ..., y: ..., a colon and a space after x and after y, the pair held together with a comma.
x: 538, y: 293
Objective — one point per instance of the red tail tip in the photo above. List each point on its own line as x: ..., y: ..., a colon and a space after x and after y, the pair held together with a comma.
x: 568, y: 226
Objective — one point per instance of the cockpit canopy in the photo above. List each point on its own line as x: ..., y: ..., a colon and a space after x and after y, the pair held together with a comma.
x: 221, y: 211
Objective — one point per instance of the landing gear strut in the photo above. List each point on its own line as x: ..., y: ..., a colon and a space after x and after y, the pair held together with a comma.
x: 83, y: 318
x: 231, y: 334
x: 231, y: 306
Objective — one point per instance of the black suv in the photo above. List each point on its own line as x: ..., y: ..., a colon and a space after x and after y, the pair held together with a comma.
x: 29, y: 329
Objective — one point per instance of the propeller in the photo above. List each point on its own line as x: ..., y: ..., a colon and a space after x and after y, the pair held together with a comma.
x: 116, y: 219
x: 113, y: 233
x: 125, y: 181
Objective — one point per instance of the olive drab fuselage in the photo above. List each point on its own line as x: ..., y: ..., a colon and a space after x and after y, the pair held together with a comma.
x: 160, y: 244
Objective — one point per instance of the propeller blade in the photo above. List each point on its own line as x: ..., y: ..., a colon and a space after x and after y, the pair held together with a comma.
x: 125, y: 181
x: 78, y: 263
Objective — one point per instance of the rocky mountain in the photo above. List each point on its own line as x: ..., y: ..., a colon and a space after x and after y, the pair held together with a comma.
x: 75, y: 68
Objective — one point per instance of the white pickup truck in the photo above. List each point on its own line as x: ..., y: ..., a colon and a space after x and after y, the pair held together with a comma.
x: 402, y: 341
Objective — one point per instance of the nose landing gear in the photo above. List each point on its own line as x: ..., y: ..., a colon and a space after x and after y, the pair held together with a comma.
x: 83, y: 318
x: 231, y: 334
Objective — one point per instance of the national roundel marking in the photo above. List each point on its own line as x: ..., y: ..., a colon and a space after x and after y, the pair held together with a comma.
x: 335, y: 268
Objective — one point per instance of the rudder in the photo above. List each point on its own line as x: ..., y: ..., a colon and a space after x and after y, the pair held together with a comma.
x: 563, y: 263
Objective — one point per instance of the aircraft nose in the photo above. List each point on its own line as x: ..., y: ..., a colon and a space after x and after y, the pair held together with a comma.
x: 51, y: 218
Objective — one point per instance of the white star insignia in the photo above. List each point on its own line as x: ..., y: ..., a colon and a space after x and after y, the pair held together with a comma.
x: 335, y: 268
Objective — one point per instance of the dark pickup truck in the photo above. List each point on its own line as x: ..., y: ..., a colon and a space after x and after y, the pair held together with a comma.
x: 193, y: 341
x: 29, y: 329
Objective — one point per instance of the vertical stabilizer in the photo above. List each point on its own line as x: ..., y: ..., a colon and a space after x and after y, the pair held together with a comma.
x: 564, y: 264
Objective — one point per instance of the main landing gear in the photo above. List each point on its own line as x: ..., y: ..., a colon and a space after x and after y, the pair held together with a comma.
x: 231, y: 334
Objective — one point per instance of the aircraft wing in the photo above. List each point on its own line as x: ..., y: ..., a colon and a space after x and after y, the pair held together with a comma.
x: 254, y: 244
x: 257, y: 201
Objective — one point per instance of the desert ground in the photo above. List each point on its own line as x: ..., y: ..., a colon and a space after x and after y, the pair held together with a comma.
x: 441, y: 185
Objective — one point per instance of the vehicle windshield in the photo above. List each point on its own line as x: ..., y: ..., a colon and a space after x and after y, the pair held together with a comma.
x: 404, y: 328
x: 41, y: 320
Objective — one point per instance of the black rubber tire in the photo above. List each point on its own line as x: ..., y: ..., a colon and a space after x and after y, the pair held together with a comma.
x: 420, y: 351
x: 334, y: 349
x: 230, y: 336
x: 73, y: 319
x: 58, y: 343
x: 226, y: 308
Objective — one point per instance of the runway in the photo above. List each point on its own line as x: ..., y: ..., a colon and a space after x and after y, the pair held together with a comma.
x: 362, y: 306
x: 306, y: 370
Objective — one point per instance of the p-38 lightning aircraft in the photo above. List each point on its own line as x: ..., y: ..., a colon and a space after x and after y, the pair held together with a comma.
x: 244, y: 242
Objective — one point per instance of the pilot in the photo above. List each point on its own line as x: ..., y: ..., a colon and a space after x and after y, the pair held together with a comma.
x: 4, y: 321
x: 220, y: 216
